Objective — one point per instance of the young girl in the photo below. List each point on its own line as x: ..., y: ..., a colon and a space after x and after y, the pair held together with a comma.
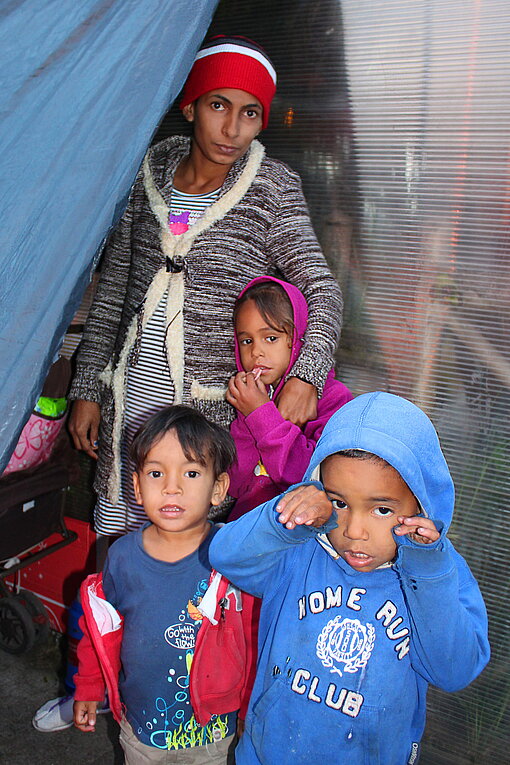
x: 270, y: 320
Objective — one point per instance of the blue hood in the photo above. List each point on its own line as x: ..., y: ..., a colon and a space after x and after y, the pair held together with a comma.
x: 400, y: 433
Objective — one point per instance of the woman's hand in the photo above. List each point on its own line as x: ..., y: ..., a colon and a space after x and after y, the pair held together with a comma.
x: 297, y: 401
x: 84, y: 426
x: 246, y: 393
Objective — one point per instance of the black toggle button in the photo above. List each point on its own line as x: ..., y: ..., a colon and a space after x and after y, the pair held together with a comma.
x: 173, y: 267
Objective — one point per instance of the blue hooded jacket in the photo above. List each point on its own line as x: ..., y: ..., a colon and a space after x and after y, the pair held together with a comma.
x: 345, y: 657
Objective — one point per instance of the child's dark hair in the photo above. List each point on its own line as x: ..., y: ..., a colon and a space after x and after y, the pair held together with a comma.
x: 360, y: 454
x: 273, y: 303
x: 201, y: 440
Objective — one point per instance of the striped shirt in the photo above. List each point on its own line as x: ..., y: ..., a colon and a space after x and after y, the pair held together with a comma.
x: 149, y: 385
x: 258, y: 225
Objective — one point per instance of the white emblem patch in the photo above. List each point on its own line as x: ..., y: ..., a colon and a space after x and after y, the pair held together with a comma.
x: 346, y: 642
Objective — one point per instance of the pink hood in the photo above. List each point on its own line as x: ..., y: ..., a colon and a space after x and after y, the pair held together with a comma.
x: 300, y: 310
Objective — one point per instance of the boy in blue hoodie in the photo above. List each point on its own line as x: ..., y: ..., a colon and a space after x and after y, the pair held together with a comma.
x: 360, y: 610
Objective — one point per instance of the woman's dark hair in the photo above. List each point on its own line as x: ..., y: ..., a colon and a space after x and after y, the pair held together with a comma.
x: 274, y: 305
x: 201, y: 440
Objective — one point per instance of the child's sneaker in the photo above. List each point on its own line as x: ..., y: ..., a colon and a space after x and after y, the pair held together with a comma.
x: 57, y: 714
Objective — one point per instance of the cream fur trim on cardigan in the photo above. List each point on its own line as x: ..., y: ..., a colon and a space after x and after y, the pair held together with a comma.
x: 173, y: 247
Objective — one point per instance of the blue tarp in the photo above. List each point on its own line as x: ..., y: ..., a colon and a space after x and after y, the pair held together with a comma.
x: 84, y: 85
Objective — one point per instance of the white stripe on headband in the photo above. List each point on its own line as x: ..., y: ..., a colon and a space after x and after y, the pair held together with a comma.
x: 232, y: 48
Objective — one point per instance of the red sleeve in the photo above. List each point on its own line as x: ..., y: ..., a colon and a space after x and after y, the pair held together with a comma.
x: 89, y: 681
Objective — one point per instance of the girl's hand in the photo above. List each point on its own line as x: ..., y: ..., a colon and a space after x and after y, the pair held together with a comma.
x: 246, y: 393
x: 85, y: 715
x: 306, y: 505
x: 297, y: 401
x: 418, y: 528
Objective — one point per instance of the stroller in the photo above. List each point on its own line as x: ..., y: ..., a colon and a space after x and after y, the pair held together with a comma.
x: 32, y: 495
x: 31, y: 509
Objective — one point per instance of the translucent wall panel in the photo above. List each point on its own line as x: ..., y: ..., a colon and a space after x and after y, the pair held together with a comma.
x: 431, y: 109
x: 397, y: 115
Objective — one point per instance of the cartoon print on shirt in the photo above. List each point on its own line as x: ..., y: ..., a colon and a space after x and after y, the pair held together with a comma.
x: 182, y: 635
x: 169, y: 725
x: 178, y: 223
x: 346, y: 642
x: 193, y: 611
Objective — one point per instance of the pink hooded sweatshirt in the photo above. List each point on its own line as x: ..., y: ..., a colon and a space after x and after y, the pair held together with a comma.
x: 264, y: 438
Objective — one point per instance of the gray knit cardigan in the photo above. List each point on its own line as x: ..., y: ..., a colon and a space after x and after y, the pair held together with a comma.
x: 258, y: 224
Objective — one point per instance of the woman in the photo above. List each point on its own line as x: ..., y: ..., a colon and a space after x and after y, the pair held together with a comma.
x: 204, y: 218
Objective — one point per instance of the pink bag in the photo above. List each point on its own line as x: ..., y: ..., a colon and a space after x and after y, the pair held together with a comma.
x: 35, y: 443
x: 38, y: 437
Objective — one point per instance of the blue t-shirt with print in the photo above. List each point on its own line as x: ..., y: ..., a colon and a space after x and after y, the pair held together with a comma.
x: 158, y: 601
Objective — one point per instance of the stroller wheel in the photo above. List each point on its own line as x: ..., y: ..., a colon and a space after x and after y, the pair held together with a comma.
x: 38, y: 613
x: 17, y: 631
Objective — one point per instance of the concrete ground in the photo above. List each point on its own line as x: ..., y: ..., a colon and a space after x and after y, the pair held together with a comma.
x: 27, y: 682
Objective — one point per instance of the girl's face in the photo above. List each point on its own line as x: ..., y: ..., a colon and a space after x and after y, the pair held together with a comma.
x: 262, y: 348
x: 225, y: 122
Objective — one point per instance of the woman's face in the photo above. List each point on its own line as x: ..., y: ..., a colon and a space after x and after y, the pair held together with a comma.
x: 225, y: 122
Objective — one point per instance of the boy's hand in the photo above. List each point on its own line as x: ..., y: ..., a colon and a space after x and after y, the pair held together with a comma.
x: 304, y: 506
x: 85, y: 715
x: 418, y: 528
x: 246, y: 393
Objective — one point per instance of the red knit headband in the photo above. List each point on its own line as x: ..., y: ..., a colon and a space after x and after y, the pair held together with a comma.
x: 231, y: 62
